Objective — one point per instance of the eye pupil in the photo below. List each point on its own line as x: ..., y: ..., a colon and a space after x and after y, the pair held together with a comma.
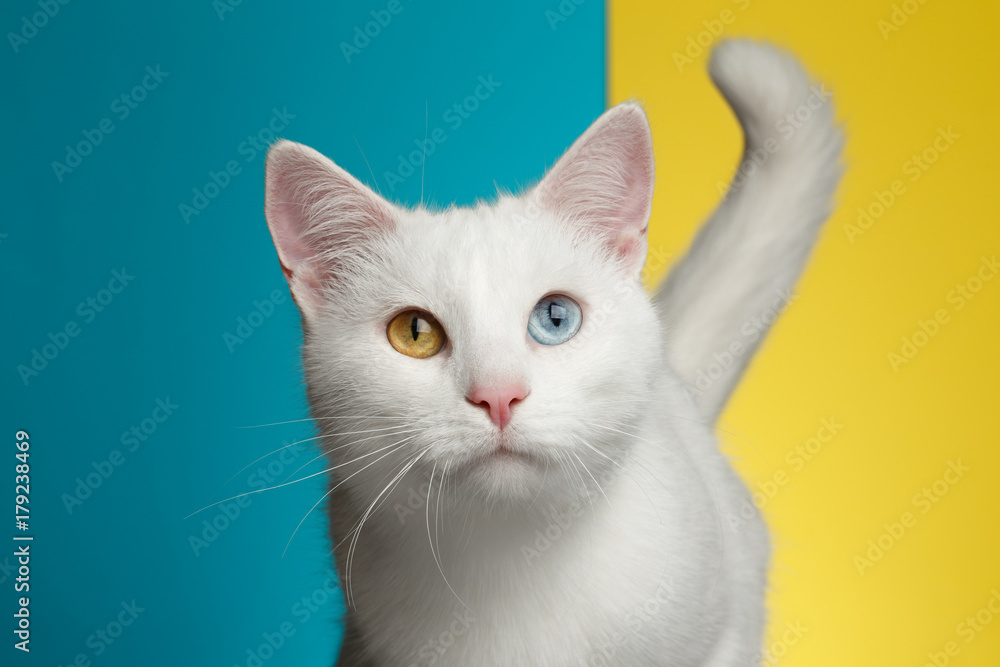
x: 554, y: 320
x: 556, y: 313
x: 415, y: 333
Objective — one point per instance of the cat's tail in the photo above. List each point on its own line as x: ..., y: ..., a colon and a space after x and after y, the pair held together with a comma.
x: 719, y: 300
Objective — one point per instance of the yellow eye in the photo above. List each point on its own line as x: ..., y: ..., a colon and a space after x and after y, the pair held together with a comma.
x: 415, y: 334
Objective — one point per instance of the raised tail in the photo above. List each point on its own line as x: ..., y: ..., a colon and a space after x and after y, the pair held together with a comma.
x: 718, y: 302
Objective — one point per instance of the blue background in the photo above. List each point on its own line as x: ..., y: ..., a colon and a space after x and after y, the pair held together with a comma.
x: 161, y: 337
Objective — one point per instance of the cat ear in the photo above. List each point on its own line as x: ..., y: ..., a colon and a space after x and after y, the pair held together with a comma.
x: 605, y: 181
x: 317, y: 214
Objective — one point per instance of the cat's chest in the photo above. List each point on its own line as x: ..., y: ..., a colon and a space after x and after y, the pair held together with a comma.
x: 575, y: 623
x: 524, y: 616
x: 619, y: 583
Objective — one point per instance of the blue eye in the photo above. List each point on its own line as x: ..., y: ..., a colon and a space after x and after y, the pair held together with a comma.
x: 554, y: 320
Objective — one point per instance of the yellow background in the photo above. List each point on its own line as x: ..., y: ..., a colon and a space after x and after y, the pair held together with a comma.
x: 827, y: 356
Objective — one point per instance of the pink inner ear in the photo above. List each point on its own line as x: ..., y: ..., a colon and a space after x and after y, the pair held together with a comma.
x: 292, y: 251
x: 605, y: 180
x: 290, y: 225
x: 317, y: 212
x: 289, y: 220
x: 638, y: 193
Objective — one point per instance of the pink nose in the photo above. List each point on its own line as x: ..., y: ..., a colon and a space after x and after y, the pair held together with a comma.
x: 498, y: 401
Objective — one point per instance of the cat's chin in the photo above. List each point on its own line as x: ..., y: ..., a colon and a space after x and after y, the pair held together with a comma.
x: 502, y: 477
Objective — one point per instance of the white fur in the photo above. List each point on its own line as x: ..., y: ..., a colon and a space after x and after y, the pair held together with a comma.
x: 613, y: 542
x: 751, y: 251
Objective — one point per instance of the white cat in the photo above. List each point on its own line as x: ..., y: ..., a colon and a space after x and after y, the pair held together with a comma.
x: 521, y: 442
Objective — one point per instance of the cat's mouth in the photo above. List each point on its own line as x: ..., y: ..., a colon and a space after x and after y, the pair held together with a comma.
x: 504, y: 469
x: 502, y: 452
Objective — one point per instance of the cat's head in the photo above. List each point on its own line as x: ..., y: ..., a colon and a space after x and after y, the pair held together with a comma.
x: 500, y: 345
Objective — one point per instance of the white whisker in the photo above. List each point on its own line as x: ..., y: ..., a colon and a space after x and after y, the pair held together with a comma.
x: 427, y: 515
x: 299, y: 442
x: 599, y: 487
x: 371, y: 508
x: 350, y: 444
